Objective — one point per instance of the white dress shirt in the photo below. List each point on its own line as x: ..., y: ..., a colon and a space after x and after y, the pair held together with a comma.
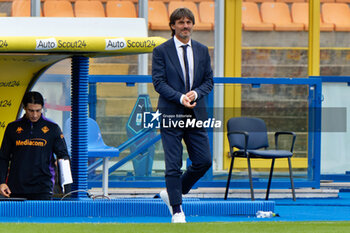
x: 180, y: 54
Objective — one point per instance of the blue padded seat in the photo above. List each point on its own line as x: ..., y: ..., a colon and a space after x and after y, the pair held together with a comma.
x: 96, y: 146
x: 266, y: 154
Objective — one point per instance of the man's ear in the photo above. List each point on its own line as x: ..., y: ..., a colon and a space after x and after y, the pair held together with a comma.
x: 172, y: 26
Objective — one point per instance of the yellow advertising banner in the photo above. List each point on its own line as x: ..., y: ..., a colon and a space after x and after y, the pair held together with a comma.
x: 23, y: 59
x: 106, y: 45
x: 18, y: 72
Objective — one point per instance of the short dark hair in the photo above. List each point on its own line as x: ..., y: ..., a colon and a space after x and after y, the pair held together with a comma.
x: 32, y: 97
x: 180, y: 13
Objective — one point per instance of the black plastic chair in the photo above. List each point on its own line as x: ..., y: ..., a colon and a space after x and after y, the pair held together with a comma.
x: 249, y: 135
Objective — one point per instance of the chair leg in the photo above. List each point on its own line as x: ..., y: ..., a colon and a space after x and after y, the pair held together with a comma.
x: 250, y: 179
x: 105, y: 176
x: 270, y: 178
x: 229, y: 178
x: 291, y: 178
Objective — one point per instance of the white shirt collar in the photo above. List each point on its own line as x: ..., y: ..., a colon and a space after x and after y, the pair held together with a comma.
x: 178, y: 43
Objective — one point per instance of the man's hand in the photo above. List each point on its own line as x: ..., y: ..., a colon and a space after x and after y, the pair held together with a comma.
x: 5, y: 190
x: 191, y: 95
x: 186, y: 101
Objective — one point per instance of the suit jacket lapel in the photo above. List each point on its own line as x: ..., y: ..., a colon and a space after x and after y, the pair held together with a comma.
x: 174, y: 58
x: 195, y: 62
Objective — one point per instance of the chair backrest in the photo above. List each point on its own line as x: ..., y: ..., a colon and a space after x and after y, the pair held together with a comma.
x: 344, y: 1
x: 166, y: 1
x: 20, y: 8
x: 158, y: 14
x: 58, y: 8
x: 197, y: 1
x: 173, y: 5
x: 337, y: 13
x: 256, y: 128
x: 94, y: 134
x: 259, y: 0
x: 121, y: 9
x: 250, y: 13
x: 275, y: 12
x: 207, y: 11
x: 92, y: 8
x: 290, y: 1
x: 300, y: 12
x: 251, y: 18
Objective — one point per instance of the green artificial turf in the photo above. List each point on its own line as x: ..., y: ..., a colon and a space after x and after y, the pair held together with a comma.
x: 217, y: 227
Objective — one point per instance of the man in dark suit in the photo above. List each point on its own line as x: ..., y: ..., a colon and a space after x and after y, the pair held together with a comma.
x: 182, y: 75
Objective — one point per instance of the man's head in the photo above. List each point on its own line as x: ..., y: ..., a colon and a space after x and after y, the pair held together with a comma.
x: 33, y: 103
x: 181, y: 23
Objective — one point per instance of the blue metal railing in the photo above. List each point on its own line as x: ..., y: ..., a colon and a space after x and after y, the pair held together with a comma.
x: 315, y: 93
x: 144, y: 133
x: 132, y: 155
x: 314, y: 136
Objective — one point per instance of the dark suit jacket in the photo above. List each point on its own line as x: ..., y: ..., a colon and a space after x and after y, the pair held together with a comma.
x: 168, y: 79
